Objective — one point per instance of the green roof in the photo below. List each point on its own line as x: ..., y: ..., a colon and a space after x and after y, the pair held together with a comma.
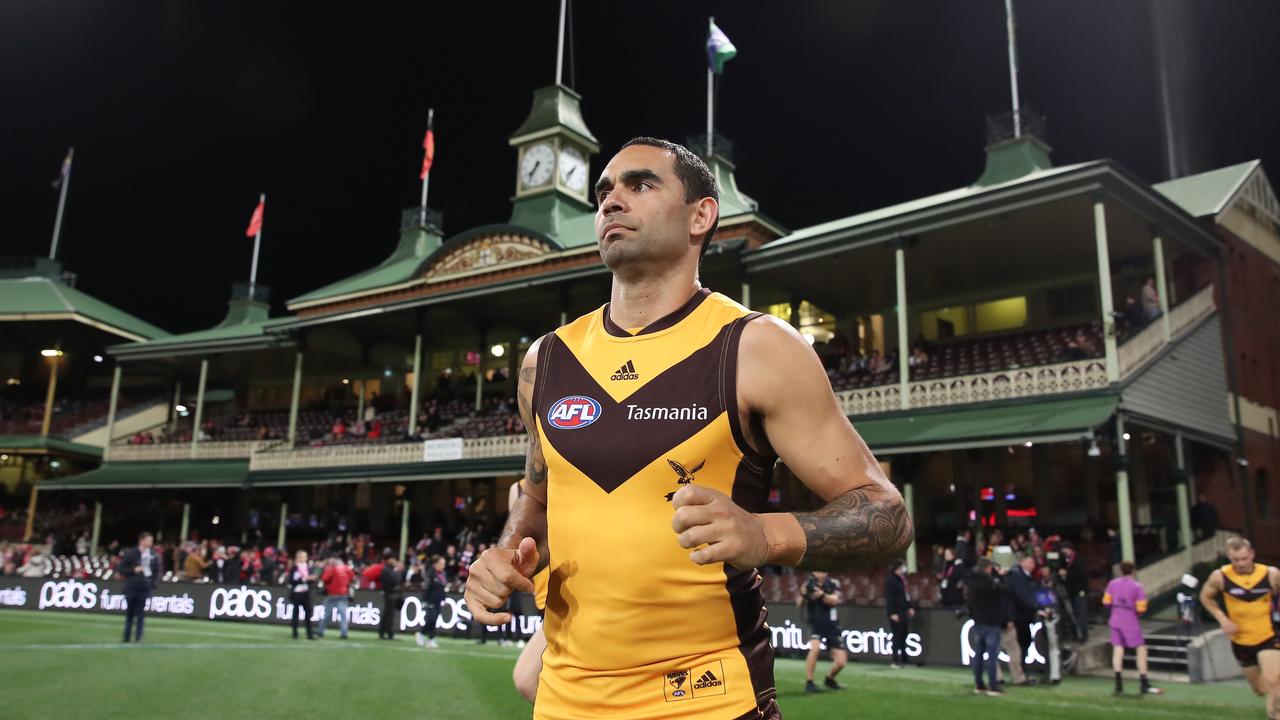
x: 1208, y: 193
x: 165, y: 474
x: 55, y: 445
x: 1053, y: 420
x: 556, y: 107
x: 416, y: 245
x: 442, y: 470
x: 245, y: 327
x: 918, y: 205
x: 36, y: 298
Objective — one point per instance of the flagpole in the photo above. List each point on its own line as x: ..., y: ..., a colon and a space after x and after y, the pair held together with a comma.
x: 426, y: 177
x: 257, y: 242
x: 560, y: 46
x: 1013, y: 69
x: 62, y: 204
x: 711, y: 78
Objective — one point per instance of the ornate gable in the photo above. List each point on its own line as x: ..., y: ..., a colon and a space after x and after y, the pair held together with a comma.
x: 487, y: 252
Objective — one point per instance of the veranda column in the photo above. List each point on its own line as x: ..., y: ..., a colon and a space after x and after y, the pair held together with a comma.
x: 111, y: 412
x: 184, y: 531
x: 404, y: 526
x: 417, y: 383
x: 1122, y: 492
x: 1184, y: 500
x: 284, y: 516
x: 293, y: 402
x: 97, y: 527
x: 195, y: 427
x: 904, y: 374
x: 1162, y: 286
x: 1104, y: 289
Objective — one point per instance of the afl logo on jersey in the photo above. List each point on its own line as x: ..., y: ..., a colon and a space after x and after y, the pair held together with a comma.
x: 574, y: 412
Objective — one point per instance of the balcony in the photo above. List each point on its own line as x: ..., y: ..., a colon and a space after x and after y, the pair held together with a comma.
x: 185, y: 451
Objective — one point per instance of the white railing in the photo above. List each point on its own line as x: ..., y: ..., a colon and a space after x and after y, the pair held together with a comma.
x: 1165, y: 573
x: 1141, y: 347
x: 183, y: 451
x: 382, y: 454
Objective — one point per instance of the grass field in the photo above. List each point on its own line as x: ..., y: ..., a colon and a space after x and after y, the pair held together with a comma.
x: 70, y: 666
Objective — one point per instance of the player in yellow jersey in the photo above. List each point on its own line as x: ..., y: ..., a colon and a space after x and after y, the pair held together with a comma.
x: 529, y: 664
x: 1248, y: 590
x: 654, y: 424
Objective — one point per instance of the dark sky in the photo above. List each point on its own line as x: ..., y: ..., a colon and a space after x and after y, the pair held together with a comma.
x: 182, y: 112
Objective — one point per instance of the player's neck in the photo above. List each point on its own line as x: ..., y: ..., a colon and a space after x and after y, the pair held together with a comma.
x: 638, y: 302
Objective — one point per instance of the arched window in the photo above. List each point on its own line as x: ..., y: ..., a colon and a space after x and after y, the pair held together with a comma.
x: 1263, y: 494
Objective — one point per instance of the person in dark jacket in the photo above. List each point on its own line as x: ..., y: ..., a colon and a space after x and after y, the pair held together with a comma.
x: 951, y: 579
x: 986, y: 601
x: 1076, y: 583
x: 299, y: 581
x: 140, y: 567
x: 1023, y: 584
x: 433, y: 585
x: 392, y: 579
x: 898, y: 606
x: 820, y: 598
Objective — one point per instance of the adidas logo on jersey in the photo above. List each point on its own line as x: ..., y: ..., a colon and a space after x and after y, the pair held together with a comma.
x: 626, y: 372
x: 708, y: 680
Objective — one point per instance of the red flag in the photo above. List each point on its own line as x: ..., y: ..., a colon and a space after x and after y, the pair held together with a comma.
x: 429, y: 156
x: 255, y: 222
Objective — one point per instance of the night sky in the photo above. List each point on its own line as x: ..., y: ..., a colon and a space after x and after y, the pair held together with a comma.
x: 182, y: 112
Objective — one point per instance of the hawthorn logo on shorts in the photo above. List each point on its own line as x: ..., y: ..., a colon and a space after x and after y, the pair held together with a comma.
x: 573, y: 412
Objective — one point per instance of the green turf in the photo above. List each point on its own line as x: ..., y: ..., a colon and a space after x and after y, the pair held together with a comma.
x: 69, y: 666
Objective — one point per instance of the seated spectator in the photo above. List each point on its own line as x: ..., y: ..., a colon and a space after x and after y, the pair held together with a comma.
x: 375, y: 432
x: 918, y: 358
x: 875, y: 363
x: 339, y: 429
x: 1150, y: 300
x: 193, y: 568
x: 1132, y: 315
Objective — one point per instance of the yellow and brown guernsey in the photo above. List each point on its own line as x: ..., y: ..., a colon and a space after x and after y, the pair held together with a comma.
x: 634, y: 628
x: 1248, y: 603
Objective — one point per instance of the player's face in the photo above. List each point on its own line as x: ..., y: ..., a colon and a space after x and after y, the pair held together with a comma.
x: 642, y: 218
x: 1241, y: 560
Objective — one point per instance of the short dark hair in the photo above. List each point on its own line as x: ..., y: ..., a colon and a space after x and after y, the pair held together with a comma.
x: 984, y: 563
x: 143, y: 535
x: 1126, y: 567
x: 698, y: 180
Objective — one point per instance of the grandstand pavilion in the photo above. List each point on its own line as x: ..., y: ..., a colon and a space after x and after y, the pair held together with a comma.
x: 1039, y: 403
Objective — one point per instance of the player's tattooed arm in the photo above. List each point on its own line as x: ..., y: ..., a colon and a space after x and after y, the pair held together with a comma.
x: 528, y: 517
x: 535, y: 466
x: 864, y: 527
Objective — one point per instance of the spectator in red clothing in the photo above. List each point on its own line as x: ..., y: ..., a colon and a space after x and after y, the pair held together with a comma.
x: 375, y: 431
x: 371, y: 577
x: 339, y: 429
x: 336, y: 579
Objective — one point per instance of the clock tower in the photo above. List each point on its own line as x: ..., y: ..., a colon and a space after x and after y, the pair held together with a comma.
x: 553, y: 166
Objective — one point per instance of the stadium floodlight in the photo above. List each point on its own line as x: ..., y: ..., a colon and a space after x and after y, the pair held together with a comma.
x: 498, y: 350
x: 346, y: 381
x: 97, y: 358
x: 1126, y: 436
x: 1029, y: 443
x: 180, y: 408
x: 51, y: 352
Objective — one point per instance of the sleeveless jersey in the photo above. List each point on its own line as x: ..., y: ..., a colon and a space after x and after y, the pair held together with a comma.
x: 634, y: 628
x: 540, y: 588
x: 1248, y: 603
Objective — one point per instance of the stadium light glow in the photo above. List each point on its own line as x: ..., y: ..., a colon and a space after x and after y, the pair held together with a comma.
x: 180, y: 408
x: 1094, y: 450
x: 51, y: 352
x: 498, y: 350
x: 1126, y: 436
x: 216, y: 519
x: 1029, y: 443
x: 13, y: 381
x: 346, y: 381
x: 97, y: 358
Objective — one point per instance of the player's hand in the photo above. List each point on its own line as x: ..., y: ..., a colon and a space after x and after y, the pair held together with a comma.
x: 1229, y: 627
x: 496, y: 574
x: 709, y: 517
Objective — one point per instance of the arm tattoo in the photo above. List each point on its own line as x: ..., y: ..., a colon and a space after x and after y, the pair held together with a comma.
x: 535, y: 467
x: 864, y: 527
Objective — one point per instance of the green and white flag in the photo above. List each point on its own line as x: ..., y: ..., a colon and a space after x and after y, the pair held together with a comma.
x: 720, y: 49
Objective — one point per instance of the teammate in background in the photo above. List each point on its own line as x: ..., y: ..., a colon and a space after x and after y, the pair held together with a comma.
x: 648, y: 495
x: 899, y: 608
x: 1248, y: 590
x: 1127, y: 600
x: 529, y: 664
x: 820, y: 597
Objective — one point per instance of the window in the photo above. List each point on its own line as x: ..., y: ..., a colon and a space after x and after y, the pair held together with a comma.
x: 1005, y: 314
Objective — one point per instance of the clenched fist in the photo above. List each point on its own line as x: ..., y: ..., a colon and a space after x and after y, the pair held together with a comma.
x: 496, y: 574
x: 709, y: 517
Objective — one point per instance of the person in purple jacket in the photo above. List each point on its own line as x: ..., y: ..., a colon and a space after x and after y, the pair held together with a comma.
x: 1127, y: 600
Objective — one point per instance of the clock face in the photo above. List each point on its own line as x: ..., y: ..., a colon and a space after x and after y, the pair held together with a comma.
x: 536, y: 166
x: 573, y: 168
